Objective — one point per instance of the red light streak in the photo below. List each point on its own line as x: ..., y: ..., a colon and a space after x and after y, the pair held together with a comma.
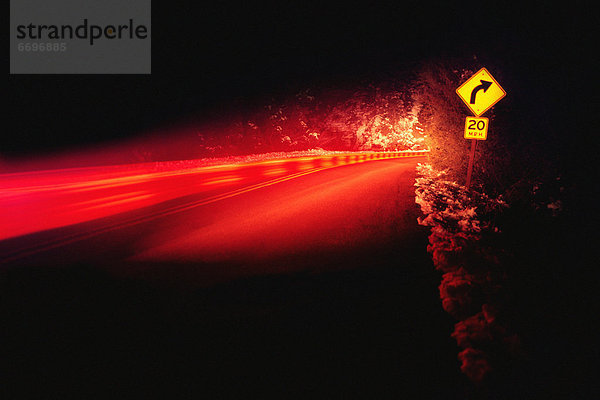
x: 36, y: 201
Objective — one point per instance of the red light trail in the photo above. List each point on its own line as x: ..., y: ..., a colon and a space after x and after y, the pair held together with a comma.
x: 41, y: 200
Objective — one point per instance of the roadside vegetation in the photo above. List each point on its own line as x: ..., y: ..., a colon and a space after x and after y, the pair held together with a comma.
x: 504, y: 246
x: 365, y: 117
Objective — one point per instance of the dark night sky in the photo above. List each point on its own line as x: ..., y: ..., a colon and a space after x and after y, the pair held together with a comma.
x: 205, y: 56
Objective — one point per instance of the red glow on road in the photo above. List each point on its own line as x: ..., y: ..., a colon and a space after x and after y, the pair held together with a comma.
x: 36, y: 201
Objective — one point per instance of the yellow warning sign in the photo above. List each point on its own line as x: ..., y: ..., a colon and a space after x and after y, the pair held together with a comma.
x: 476, y: 128
x: 480, y: 92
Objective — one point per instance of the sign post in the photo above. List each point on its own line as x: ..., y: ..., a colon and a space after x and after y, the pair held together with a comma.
x: 475, y: 129
x: 480, y: 92
x: 471, y: 158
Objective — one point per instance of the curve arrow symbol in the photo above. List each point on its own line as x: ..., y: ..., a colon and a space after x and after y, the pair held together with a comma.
x: 484, y: 85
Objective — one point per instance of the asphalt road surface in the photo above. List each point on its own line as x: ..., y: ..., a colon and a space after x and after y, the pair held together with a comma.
x: 264, y: 222
x: 313, y: 287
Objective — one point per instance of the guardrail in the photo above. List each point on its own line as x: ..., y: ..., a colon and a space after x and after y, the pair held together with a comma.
x: 36, y: 201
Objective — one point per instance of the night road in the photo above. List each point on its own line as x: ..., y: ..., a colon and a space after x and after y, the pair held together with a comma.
x: 253, y: 213
x: 314, y: 286
x: 291, y: 225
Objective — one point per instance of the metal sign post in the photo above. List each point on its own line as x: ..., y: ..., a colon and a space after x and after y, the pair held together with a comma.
x: 476, y: 128
x: 471, y: 158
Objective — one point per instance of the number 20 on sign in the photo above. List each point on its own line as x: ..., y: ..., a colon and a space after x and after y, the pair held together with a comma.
x: 476, y: 128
